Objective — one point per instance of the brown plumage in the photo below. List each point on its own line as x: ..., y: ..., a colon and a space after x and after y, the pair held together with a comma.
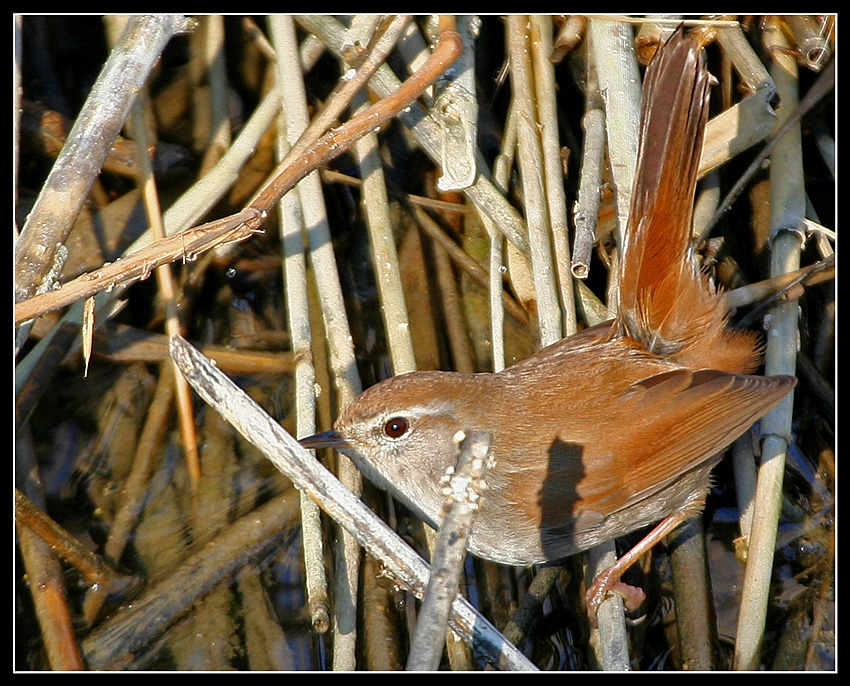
x: 665, y: 303
x: 611, y: 429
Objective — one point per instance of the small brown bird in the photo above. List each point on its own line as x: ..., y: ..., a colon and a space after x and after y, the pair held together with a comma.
x: 609, y: 430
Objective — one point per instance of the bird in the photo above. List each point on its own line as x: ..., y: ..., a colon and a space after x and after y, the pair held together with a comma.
x: 609, y: 430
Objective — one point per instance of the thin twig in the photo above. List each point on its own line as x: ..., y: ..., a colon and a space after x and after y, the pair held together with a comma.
x: 210, y: 119
x: 467, y: 263
x: 298, y: 319
x: 824, y: 84
x: 44, y: 574
x: 340, y: 350
x: 139, y: 265
x: 165, y: 281
x: 531, y: 173
x: 384, y: 254
x: 550, y: 148
x: 501, y: 172
x: 466, y: 485
x: 787, y: 208
x: 331, y: 176
x: 769, y: 290
x: 457, y: 333
x: 93, y: 568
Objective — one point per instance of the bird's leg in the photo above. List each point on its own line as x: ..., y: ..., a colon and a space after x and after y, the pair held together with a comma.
x: 609, y: 580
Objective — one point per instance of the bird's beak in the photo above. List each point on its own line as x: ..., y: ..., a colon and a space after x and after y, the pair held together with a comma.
x: 327, y: 439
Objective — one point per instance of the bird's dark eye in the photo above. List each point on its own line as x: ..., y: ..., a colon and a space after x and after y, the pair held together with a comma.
x: 396, y: 427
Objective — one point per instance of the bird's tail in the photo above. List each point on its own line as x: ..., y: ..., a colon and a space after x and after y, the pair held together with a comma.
x: 666, y: 302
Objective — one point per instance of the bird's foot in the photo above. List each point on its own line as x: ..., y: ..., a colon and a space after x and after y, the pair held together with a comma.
x: 609, y: 582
